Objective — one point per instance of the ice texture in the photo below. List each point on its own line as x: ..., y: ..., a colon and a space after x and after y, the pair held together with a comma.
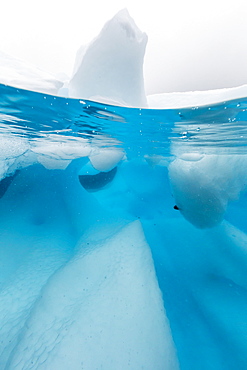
x: 52, y: 152
x: 13, y: 154
x: 195, y: 98
x: 18, y: 73
x: 99, y: 302
x: 110, y: 68
x: 203, y: 184
x: 106, y: 159
x: 105, y: 274
x: 77, y: 284
x: 57, y: 153
x: 203, y: 187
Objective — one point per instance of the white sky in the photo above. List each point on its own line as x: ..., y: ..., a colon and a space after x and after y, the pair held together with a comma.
x: 193, y: 44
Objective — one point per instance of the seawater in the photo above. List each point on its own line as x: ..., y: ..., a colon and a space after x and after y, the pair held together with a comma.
x: 46, y: 212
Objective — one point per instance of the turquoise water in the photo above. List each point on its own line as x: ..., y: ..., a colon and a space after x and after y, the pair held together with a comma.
x: 46, y: 213
x: 214, y: 129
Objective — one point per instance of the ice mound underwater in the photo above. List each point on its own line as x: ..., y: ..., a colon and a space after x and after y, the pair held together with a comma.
x: 98, y: 270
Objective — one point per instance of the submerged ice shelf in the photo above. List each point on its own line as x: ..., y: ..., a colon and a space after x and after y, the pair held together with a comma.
x: 93, y: 252
x: 97, y: 268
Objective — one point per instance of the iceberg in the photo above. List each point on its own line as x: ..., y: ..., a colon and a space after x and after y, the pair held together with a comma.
x: 110, y: 68
x: 123, y: 227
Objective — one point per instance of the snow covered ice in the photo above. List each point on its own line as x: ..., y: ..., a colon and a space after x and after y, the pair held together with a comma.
x: 98, y: 270
x: 18, y: 73
x: 110, y: 69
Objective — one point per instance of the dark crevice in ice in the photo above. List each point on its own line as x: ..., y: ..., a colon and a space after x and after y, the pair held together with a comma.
x: 5, y: 183
x: 98, y: 181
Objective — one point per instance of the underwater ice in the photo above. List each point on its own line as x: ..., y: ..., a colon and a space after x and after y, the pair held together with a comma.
x: 97, y: 269
x: 203, y: 186
x: 82, y: 301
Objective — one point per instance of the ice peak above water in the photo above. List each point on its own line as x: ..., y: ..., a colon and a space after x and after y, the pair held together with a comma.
x: 128, y: 25
x: 111, y: 66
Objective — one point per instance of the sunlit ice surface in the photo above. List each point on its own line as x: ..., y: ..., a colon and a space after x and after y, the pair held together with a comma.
x: 123, y: 235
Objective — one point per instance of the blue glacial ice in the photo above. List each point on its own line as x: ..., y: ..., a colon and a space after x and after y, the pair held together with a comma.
x: 97, y: 268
